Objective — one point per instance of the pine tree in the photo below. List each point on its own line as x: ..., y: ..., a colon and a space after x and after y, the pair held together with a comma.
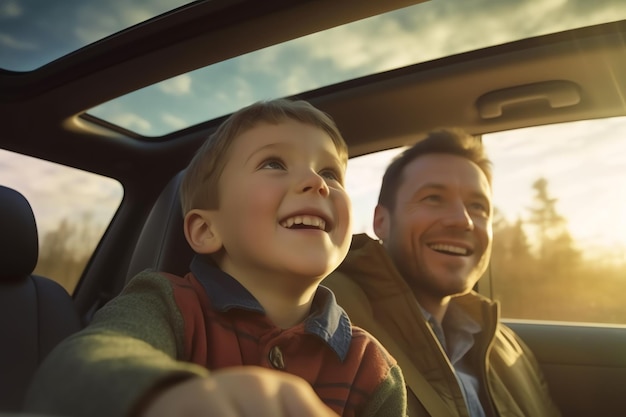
x: 556, y: 247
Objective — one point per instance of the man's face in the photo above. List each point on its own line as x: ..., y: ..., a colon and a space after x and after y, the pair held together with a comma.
x: 283, y: 210
x: 439, y: 233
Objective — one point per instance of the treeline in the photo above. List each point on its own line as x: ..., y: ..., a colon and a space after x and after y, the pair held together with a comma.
x: 538, y: 272
x: 64, y: 252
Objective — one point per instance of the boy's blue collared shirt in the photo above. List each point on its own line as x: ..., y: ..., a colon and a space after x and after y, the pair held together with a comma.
x: 327, y: 319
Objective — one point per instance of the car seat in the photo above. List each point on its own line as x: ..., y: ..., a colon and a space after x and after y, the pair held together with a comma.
x: 36, y: 313
x: 162, y: 245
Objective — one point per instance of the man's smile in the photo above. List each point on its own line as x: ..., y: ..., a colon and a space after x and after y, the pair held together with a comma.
x: 450, y: 249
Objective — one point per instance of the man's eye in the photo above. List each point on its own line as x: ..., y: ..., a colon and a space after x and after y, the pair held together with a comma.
x: 273, y: 164
x: 432, y: 198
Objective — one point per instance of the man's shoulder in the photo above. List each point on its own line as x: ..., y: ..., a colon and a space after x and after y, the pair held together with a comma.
x: 350, y: 296
x: 506, y: 337
x: 340, y: 282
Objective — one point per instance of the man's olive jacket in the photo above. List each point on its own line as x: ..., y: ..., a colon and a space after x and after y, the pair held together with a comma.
x: 377, y: 298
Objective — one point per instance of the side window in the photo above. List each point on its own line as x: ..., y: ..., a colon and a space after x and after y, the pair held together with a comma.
x: 560, y: 229
x: 559, y: 246
x: 72, y: 210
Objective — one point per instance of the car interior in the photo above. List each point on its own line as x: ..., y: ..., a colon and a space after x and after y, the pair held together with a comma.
x: 548, y: 78
x: 37, y: 312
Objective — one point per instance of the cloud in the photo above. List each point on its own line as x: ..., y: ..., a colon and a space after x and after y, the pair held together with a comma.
x: 416, y: 34
x: 363, y: 48
x: 49, y: 187
x: 174, y: 122
x: 100, y: 19
x: 10, y: 9
x: 11, y: 42
x: 131, y: 121
x: 177, y: 86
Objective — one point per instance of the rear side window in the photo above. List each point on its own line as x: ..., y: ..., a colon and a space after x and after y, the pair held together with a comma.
x: 559, y: 246
x: 72, y: 209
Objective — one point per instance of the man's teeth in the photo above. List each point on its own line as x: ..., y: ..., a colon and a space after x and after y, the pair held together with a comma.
x: 304, y: 220
x: 448, y: 248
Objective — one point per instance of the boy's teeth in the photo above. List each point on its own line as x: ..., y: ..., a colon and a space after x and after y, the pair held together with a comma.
x: 305, y: 220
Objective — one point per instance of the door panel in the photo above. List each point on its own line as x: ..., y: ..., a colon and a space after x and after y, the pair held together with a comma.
x: 585, y: 365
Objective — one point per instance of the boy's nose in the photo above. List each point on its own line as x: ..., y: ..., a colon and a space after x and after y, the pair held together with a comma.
x: 315, y: 183
x: 458, y: 217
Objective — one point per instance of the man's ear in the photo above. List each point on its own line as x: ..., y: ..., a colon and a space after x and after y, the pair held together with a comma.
x: 382, y: 222
x: 201, y: 233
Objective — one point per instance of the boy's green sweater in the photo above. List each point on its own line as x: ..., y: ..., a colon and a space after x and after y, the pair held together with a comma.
x: 134, y: 345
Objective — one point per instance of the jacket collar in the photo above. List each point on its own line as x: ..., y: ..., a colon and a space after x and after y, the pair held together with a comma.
x: 371, y: 267
x: 327, y: 320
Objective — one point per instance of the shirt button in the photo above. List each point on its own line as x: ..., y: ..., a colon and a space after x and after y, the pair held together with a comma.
x: 276, y: 358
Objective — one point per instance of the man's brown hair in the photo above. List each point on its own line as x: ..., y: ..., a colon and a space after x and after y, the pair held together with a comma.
x: 450, y: 141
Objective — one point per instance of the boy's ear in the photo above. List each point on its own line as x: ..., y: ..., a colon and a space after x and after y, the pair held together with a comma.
x: 381, y: 222
x: 201, y: 233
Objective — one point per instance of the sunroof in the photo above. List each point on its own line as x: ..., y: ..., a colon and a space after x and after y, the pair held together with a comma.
x: 419, y: 33
x: 36, y: 32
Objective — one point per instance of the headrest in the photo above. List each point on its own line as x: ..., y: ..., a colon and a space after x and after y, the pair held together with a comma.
x: 162, y: 245
x: 19, y: 244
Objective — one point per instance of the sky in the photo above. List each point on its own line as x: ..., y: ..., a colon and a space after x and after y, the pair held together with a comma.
x: 57, y: 192
x: 33, y: 32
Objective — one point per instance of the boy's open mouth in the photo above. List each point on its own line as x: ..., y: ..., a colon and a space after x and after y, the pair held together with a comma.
x: 304, y: 222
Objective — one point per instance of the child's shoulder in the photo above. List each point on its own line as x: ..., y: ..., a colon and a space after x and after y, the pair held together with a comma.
x: 374, y: 365
x: 371, y: 348
x: 159, y: 282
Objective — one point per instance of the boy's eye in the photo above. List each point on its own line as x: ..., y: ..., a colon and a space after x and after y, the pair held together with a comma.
x: 273, y: 164
x: 330, y: 174
x: 479, y: 208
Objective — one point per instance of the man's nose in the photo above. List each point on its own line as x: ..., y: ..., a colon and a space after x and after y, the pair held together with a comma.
x: 457, y: 216
x: 313, y: 182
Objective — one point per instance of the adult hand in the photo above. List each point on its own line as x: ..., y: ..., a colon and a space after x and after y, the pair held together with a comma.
x: 240, y: 392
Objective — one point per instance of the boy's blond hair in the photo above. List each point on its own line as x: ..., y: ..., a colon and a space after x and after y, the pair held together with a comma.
x: 199, y: 188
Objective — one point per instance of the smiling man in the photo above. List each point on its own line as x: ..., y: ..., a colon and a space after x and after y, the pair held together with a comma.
x: 413, y: 288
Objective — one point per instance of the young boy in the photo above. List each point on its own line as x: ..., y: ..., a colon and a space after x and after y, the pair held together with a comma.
x: 248, y: 332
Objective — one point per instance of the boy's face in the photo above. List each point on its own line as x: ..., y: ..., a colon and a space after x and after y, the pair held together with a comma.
x: 283, y: 210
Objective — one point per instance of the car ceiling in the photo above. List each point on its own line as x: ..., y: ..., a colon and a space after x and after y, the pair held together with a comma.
x: 374, y: 112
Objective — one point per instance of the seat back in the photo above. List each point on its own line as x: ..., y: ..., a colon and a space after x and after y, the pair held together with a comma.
x: 162, y: 245
x: 36, y: 313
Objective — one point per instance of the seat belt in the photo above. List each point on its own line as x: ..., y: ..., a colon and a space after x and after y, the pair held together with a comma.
x: 420, y: 387
x: 417, y: 384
